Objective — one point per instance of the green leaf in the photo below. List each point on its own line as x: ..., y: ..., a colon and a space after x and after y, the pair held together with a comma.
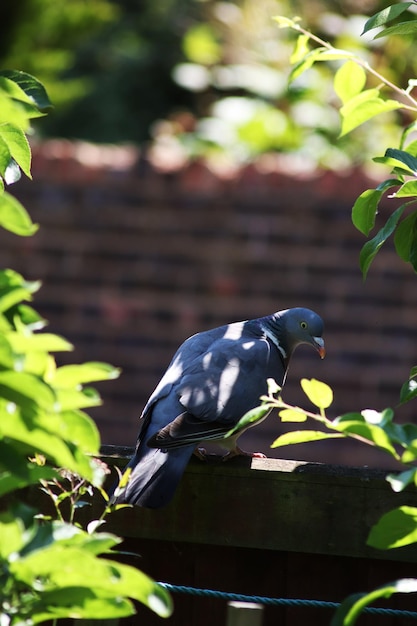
x: 18, y: 145
x: 406, y: 190
x: 253, y: 416
x: 5, y: 157
x: 81, y: 430
x: 32, y: 88
x: 12, y: 173
x: 405, y: 240
x: 63, y: 568
x: 11, y: 533
x: 303, y: 436
x: 371, y: 248
x: 301, y: 49
x: 407, y: 160
x: 293, y: 415
x: 42, y: 342
x: 14, y: 217
x: 306, y: 63
x: 72, y: 399
x: 394, y: 529
x: 286, y: 22
x: 349, y: 80
x: 355, y: 424
x: 408, y: 130
x: 409, y: 388
x: 320, y: 394
x: 363, y: 107
x: 72, y: 375
x: 25, y: 389
x: 400, y: 481
x: 318, y: 54
x: 351, y: 608
x: 366, y: 205
x: 386, y: 15
x: 403, y: 28
x: 30, y: 435
x: 11, y: 481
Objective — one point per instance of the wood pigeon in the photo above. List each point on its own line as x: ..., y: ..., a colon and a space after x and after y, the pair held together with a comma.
x: 214, y: 378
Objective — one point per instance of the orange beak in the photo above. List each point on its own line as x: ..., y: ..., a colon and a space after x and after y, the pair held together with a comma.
x: 319, y: 345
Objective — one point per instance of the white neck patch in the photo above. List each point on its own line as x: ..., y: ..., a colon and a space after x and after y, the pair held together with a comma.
x: 274, y: 340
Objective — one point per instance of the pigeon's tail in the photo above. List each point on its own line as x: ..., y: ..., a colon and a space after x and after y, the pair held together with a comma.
x: 155, y: 476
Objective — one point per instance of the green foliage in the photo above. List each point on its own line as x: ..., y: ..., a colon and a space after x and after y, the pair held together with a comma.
x: 22, y: 98
x: 44, y: 573
x: 43, y: 426
x: 361, y: 102
x: 378, y: 429
x: 351, y: 608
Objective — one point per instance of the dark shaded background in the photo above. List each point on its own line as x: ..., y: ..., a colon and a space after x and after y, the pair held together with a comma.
x: 134, y: 260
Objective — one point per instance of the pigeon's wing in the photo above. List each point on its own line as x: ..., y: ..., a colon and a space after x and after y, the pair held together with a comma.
x: 191, y: 351
x: 219, y: 387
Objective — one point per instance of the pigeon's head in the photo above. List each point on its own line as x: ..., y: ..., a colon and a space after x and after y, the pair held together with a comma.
x: 296, y: 326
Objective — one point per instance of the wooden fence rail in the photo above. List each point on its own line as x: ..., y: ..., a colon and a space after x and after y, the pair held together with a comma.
x: 265, y: 527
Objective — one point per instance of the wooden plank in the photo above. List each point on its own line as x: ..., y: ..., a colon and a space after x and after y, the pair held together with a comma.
x: 270, y: 504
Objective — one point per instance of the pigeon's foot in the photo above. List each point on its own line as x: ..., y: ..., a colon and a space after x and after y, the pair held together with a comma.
x: 239, y: 452
x: 201, y: 454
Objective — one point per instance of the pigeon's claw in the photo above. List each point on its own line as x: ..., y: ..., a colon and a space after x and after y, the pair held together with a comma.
x: 239, y: 452
x: 201, y: 454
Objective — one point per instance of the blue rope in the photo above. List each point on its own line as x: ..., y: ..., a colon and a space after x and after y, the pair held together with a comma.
x: 317, y: 604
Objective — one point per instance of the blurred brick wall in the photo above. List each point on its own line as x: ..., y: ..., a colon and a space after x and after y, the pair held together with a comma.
x: 134, y: 259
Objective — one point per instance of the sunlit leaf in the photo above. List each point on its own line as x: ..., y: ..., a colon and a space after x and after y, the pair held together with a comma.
x: 408, y: 130
x: 320, y: 394
x: 64, y: 567
x: 72, y: 399
x: 286, y: 22
x: 386, y: 15
x: 351, y: 608
x: 31, y: 88
x: 5, y: 156
x: 14, y: 217
x: 400, y: 481
x: 301, y: 49
x: 306, y: 63
x: 25, y: 389
x: 365, y: 207
x: 72, y: 375
x: 293, y: 415
x: 394, y: 529
x: 349, y: 80
x: 407, y: 160
x: 18, y: 145
x: 355, y: 424
x: 76, y: 426
x: 406, y: 190
x: 364, y: 107
x: 12, y: 173
x: 303, y: 436
x: 43, y: 342
x: 409, y: 388
x: 372, y: 247
x: 250, y: 418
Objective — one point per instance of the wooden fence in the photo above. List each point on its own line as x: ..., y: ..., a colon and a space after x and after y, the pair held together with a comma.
x: 266, y: 527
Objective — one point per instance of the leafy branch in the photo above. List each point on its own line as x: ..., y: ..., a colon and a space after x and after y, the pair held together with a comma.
x: 44, y: 427
x: 360, y: 103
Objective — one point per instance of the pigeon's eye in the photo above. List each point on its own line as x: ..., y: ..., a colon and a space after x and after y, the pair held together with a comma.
x: 303, y: 325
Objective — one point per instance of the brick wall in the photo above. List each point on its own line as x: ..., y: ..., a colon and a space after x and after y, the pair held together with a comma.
x: 134, y: 259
